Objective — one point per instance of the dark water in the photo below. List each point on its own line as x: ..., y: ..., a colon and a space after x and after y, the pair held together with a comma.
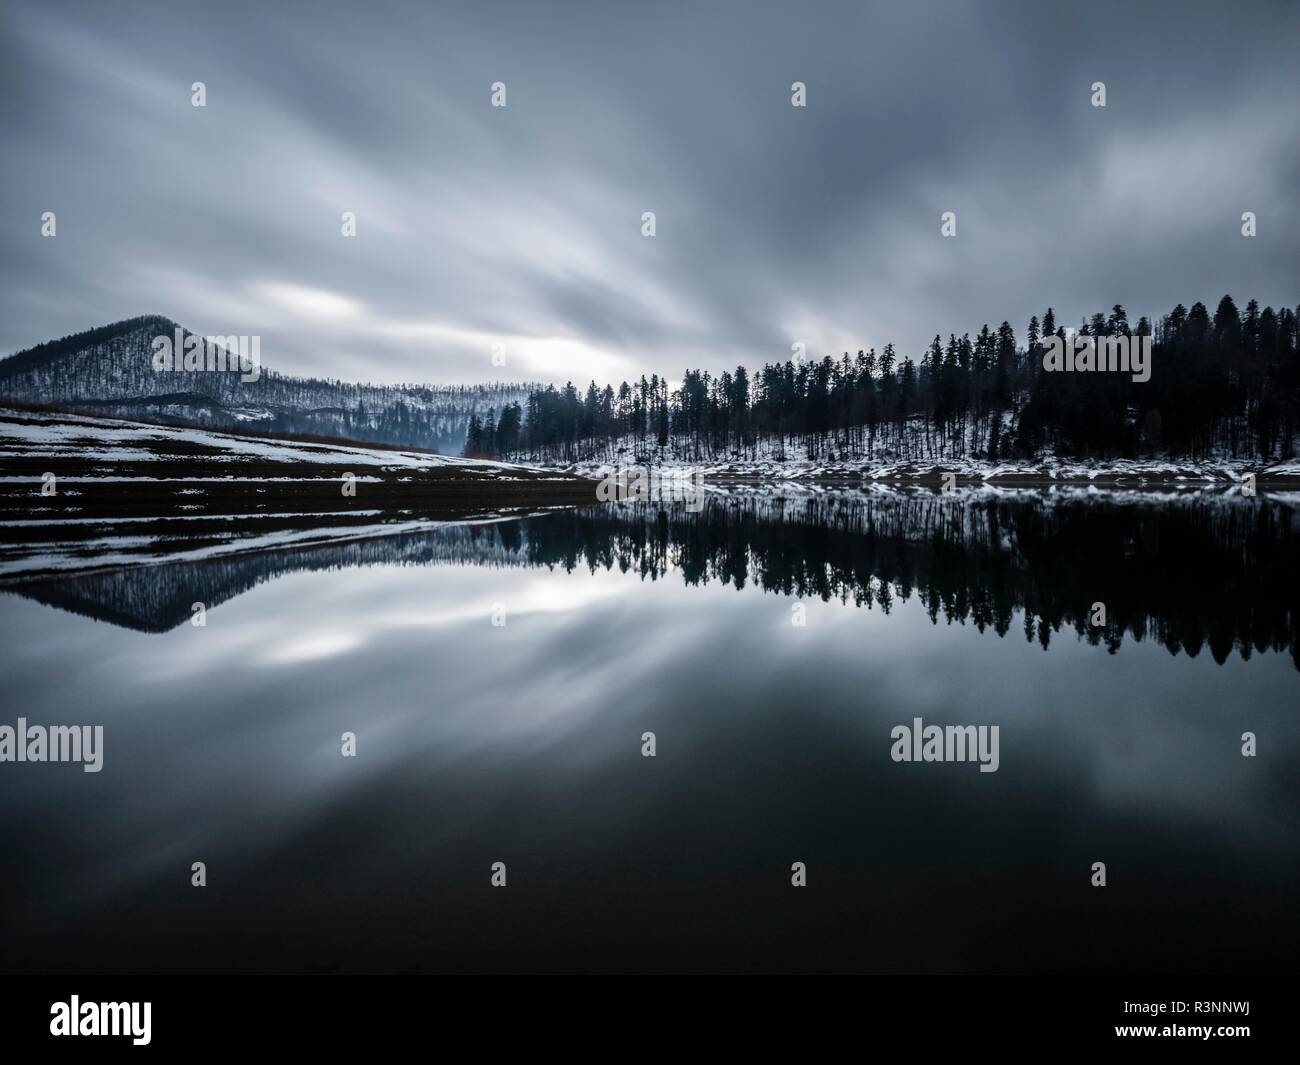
x: 521, y: 743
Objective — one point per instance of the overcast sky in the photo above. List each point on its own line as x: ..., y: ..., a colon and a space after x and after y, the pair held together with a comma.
x: 521, y: 226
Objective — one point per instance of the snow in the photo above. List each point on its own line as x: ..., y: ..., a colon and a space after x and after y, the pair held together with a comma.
x: 155, y: 519
x: 90, y: 437
x: 774, y: 460
x: 112, y: 552
x: 1139, y: 471
x: 109, y: 479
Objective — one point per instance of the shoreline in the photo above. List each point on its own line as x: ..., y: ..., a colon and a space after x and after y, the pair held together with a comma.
x: 1124, y: 474
x: 74, y: 487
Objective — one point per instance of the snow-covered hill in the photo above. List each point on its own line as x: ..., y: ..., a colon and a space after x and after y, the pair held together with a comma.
x: 81, y: 492
x: 88, y: 438
x: 111, y: 369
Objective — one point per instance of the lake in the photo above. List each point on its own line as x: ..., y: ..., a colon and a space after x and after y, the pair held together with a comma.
x: 499, y: 680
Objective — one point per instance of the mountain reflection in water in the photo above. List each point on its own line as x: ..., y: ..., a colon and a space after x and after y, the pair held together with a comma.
x: 522, y: 744
x: 1191, y: 571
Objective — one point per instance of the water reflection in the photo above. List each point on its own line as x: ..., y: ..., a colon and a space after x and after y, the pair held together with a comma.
x: 521, y: 743
x: 1194, y: 571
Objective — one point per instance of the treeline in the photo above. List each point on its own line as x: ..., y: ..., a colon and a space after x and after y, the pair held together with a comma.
x: 1226, y: 384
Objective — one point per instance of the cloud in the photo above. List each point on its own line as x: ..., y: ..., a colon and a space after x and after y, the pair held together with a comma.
x: 520, y: 227
x: 313, y: 303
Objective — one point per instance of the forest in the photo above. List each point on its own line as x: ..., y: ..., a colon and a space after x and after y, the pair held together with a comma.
x: 1223, y: 385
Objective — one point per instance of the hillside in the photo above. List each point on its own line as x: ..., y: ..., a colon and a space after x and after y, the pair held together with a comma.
x: 79, y: 491
x: 110, y: 369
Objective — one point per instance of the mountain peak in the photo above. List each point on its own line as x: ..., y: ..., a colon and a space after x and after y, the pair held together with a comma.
x: 109, y: 369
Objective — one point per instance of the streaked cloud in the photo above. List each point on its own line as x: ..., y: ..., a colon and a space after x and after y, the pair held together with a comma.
x: 521, y: 226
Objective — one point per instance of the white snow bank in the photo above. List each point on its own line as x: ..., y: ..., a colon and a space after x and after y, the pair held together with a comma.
x: 82, y: 434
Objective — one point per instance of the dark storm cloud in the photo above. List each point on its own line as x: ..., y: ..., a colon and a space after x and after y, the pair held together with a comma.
x: 521, y: 226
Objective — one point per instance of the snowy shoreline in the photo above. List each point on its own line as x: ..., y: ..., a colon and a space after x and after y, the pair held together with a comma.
x: 1120, y: 473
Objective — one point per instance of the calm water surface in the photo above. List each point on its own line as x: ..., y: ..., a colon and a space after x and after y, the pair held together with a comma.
x: 521, y: 743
